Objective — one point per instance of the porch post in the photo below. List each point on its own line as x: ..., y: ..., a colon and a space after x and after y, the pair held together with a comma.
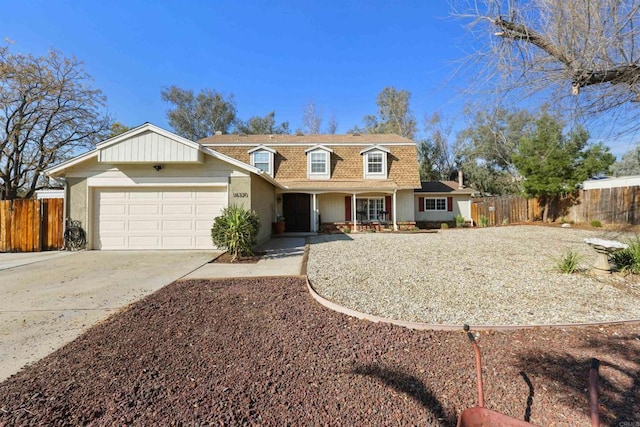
x: 314, y: 209
x: 354, y: 214
x: 395, y: 224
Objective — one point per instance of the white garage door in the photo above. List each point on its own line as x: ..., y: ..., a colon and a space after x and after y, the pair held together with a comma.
x: 176, y: 218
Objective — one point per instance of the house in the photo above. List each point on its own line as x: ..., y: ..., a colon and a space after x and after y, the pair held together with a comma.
x: 442, y: 201
x: 151, y: 189
x: 333, y: 182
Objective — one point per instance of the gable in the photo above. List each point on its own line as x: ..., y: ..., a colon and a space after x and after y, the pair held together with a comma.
x: 149, y: 146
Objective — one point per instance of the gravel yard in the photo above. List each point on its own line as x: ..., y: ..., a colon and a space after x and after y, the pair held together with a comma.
x: 483, y: 276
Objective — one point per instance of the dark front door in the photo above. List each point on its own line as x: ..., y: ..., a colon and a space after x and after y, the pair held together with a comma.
x: 296, y: 208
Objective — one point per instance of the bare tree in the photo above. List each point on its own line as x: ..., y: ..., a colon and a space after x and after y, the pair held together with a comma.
x: 394, y: 114
x: 311, y: 118
x: 584, y: 52
x: 332, y: 126
x: 48, y: 111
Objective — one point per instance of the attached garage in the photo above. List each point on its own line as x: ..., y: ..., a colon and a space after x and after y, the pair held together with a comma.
x: 155, y: 218
x: 149, y: 189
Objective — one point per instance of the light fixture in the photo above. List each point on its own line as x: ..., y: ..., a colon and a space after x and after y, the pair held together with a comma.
x: 158, y: 167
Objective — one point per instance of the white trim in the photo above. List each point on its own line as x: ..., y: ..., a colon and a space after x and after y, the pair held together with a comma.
x: 318, y: 147
x: 269, y: 154
x: 375, y: 175
x: 303, y: 144
x: 327, y: 165
x: 375, y: 147
x: 262, y: 147
x: 55, y: 170
x: 436, y: 204
x: 394, y: 204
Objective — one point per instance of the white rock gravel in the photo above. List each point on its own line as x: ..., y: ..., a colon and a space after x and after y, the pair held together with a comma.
x: 482, y: 276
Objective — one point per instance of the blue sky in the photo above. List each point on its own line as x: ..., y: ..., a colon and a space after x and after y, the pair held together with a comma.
x: 271, y: 55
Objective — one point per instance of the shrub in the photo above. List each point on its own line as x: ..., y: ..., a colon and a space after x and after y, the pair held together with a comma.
x: 505, y: 221
x: 346, y: 230
x: 236, y: 230
x: 484, y: 221
x: 459, y: 221
x: 569, y: 262
x: 628, y: 260
x: 444, y: 226
x: 596, y: 223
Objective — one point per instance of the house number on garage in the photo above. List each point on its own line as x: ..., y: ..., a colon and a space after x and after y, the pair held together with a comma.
x: 240, y: 195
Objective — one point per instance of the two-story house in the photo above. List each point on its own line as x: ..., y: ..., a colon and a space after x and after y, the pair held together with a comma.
x: 151, y: 189
x: 329, y: 182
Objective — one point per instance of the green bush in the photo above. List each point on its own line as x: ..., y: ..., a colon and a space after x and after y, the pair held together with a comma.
x: 596, y: 223
x: 444, y: 226
x: 460, y: 221
x: 628, y: 260
x: 505, y: 221
x: 346, y: 230
x: 569, y: 262
x: 484, y: 221
x: 236, y: 230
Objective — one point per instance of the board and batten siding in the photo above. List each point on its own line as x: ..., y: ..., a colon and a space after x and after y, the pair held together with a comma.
x: 332, y: 209
x: 149, y: 147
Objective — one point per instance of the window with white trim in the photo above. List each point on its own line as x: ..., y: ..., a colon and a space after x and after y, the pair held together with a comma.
x: 435, y: 204
x: 374, y: 162
x: 369, y: 209
x: 262, y: 160
x: 318, y: 161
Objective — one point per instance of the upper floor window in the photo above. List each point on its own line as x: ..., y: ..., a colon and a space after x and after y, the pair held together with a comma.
x: 319, y: 162
x: 375, y: 162
x: 262, y: 158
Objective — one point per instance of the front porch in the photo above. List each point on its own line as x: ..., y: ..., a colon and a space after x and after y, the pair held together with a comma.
x: 367, y: 210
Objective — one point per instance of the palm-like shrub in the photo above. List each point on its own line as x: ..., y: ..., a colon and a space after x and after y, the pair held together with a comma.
x: 236, y: 230
x: 628, y: 260
x: 569, y: 262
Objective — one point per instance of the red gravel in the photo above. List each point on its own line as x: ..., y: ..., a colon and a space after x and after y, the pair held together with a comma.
x: 261, y: 351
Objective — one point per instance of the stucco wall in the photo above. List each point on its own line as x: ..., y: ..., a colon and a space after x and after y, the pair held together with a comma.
x: 262, y: 202
x: 77, y: 201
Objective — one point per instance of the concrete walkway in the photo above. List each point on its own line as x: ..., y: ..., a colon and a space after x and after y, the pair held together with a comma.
x: 284, y: 257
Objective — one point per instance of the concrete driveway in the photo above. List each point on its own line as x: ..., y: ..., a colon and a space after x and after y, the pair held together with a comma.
x: 47, y: 301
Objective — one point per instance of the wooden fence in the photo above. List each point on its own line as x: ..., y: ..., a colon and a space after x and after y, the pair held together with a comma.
x: 505, y: 210
x: 31, y: 225
x: 619, y: 205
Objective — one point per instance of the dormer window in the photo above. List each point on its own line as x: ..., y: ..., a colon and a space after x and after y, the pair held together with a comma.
x: 319, y: 162
x: 375, y: 162
x: 262, y: 158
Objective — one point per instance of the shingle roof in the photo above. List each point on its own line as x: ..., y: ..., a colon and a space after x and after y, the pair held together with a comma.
x: 373, y: 138
x: 342, y: 185
x: 443, y: 187
x: 290, y: 160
